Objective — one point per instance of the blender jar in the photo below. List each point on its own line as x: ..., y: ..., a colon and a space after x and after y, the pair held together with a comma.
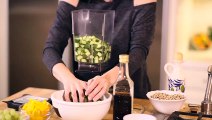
x: 92, y: 33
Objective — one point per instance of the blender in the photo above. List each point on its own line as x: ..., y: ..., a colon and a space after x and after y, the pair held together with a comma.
x: 92, y: 38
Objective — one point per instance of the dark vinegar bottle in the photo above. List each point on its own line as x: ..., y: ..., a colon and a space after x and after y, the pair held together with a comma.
x: 123, y: 90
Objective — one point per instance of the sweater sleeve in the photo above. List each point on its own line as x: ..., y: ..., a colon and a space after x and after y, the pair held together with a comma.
x: 58, y: 36
x: 143, y: 23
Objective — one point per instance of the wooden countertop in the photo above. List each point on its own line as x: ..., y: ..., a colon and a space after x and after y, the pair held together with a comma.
x: 146, y: 108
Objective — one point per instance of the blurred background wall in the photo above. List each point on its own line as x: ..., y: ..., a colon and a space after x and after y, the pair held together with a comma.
x: 3, y: 48
x: 154, y: 57
x: 29, y: 23
x: 187, y: 28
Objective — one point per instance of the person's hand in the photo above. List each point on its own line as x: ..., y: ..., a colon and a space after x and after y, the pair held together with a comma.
x: 75, y: 86
x: 97, y: 87
x: 70, y: 82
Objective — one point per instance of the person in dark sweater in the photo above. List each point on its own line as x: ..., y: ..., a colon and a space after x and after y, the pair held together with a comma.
x: 133, y: 31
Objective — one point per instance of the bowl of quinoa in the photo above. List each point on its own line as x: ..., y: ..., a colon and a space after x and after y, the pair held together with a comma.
x: 165, y: 101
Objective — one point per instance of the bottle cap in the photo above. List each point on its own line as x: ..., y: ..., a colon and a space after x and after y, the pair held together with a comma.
x: 179, y: 57
x: 123, y: 58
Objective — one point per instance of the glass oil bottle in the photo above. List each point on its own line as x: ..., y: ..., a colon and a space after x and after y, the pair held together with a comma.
x: 123, y: 90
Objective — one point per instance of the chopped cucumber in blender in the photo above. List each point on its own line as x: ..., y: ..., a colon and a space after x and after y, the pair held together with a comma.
x: 83, y: 60
x: 90, y: 49
x: 76, y: 44
x: 79, y: 57
x: 99, y: 54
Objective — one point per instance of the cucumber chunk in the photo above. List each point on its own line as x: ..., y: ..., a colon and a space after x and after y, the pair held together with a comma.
x: 90, y: 49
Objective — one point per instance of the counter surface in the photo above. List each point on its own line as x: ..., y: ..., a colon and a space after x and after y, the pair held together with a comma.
x: 140, y: 105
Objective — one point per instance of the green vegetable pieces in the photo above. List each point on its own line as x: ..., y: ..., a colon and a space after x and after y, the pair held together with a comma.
x: 85, y: 97
x: 90, y: 49
x: 10, y: 114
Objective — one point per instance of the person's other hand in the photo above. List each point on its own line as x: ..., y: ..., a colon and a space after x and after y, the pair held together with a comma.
x: 97, y: 87
x: 75, y: 86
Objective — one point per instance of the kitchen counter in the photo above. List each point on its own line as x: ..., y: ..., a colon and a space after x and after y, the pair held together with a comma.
x: 146, y: 108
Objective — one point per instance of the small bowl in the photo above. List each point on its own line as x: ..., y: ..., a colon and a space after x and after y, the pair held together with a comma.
x: 139, y: 117
x: 24, y: 115
x: 166, y: 106
x: 45, y: 117
x: 80, y: 110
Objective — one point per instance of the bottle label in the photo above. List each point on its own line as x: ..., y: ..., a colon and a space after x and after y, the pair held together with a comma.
x: 176, y: 85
